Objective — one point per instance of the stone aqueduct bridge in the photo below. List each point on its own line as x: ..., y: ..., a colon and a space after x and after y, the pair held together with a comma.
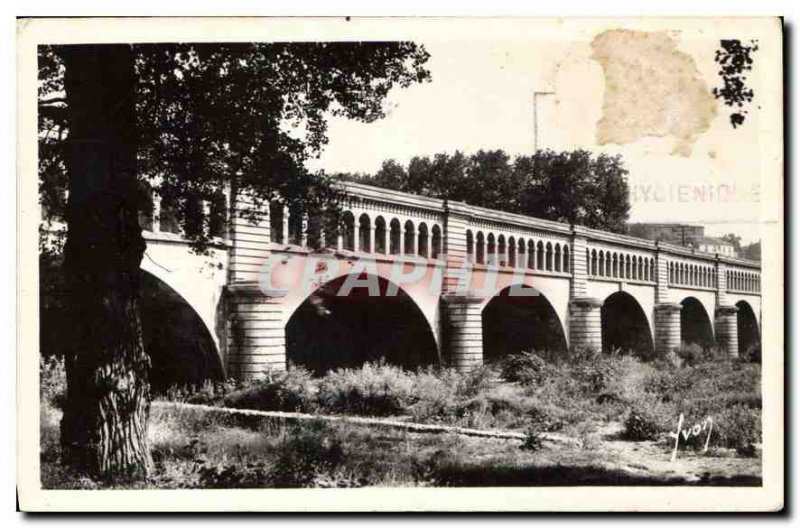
x: 451, y: 259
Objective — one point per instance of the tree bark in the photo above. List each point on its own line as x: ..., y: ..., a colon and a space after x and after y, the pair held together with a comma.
x: 104, y: 428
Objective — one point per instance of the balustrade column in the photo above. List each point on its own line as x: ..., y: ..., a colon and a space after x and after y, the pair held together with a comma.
x: 285, y: 225
x: 386, y: 239
x: 304, y: 230
x: 371, y: 234
x: 156, y: 213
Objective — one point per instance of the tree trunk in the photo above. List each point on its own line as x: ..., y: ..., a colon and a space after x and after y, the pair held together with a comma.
x: 104, y: 428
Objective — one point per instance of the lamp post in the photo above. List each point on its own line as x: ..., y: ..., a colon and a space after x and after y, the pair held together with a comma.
x: 536, y: 118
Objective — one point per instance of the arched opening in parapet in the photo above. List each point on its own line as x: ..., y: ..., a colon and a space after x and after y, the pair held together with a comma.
x: 695, y: 324
x: 625, y: 326
x: 520, y: 319
x: 423, y: 240
x: 181, y: 349
x: 352, y: 320
x: 380, y: 236
x: 436, y: 242
x: 348, y: 231
x: 747, y: 332
x: 410, y: 238
x: 364, y: 232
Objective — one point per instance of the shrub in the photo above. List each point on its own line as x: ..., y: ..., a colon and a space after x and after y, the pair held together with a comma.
x: 524, y: 367
x: 738, y: 427
x: 534, y: 440
x: 581, y: 354
x: 752, y: 354
x: 377, y: 389
x: 436, y: 395
x: 641, y: 425
x: 311, y: 452
x: 691, y: 354
x: 207, y: 393
x: 648, y: 419
x: 293, y: 390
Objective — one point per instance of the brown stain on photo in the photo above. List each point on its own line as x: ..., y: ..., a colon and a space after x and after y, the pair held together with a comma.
x: 651, y: 89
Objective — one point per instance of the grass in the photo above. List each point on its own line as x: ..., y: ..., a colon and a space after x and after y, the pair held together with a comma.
x: 603, y: 402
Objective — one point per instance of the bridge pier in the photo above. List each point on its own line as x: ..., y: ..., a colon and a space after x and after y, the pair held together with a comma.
x: 464, y: 331
x: 256, y: 336
x: 585, y: 327
x: 727, y: 330
x: 667, y: 328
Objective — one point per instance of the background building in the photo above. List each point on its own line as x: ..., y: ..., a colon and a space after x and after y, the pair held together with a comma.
x: 686, y: 235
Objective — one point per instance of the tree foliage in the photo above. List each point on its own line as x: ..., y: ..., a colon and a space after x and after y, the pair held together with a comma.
x: 239, y: 116
x: 190, y: 122
x: 574, y: 187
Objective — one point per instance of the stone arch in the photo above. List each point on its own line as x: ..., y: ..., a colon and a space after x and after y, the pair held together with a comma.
x: 549, y: 256
x: 512, y: 251
x: 747, y: 331
x: 593, y: 263
x: 380, y: 235
x: 178, y: 340
x: 349, y: 227
x: 601, y: 263
x: 276, y: 222
x: 557, y: 257
x: 521, y: 257
x: 696, y: 327
x: 296, y: 220
x: 470, y: 246
x: 395, y: 237
x: 625, y: 326
x: 338, y: 326
x: 364, y: 229
x: 480, y: 248
x: 410, y: 238
x: 436, y: 241
x: 566, y: 265
x: 491, y: 249
x: 423, y: 240
x: 540, y: 255
x: 531, y: 254
x: 502, y: 254
x: 520, y: 318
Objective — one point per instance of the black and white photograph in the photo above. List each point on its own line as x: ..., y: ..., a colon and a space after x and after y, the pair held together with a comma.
x: 413, y: 259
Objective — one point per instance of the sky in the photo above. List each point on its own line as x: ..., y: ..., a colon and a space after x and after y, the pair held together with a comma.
x: 481, y: 97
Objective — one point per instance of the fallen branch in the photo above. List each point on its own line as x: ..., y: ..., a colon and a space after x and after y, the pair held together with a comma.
x: 379, y: 422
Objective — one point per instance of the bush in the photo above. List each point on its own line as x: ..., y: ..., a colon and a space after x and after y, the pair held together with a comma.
x: 377, y: 389
x: 534, y: 439
x: 291, y: 391
x: 738, y: 427
x: 208, y: 393
x: 312, y: 452
x: 641, y: 425
x: 691, y: 354
x: 436, y: 395
x: 525, y: 367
